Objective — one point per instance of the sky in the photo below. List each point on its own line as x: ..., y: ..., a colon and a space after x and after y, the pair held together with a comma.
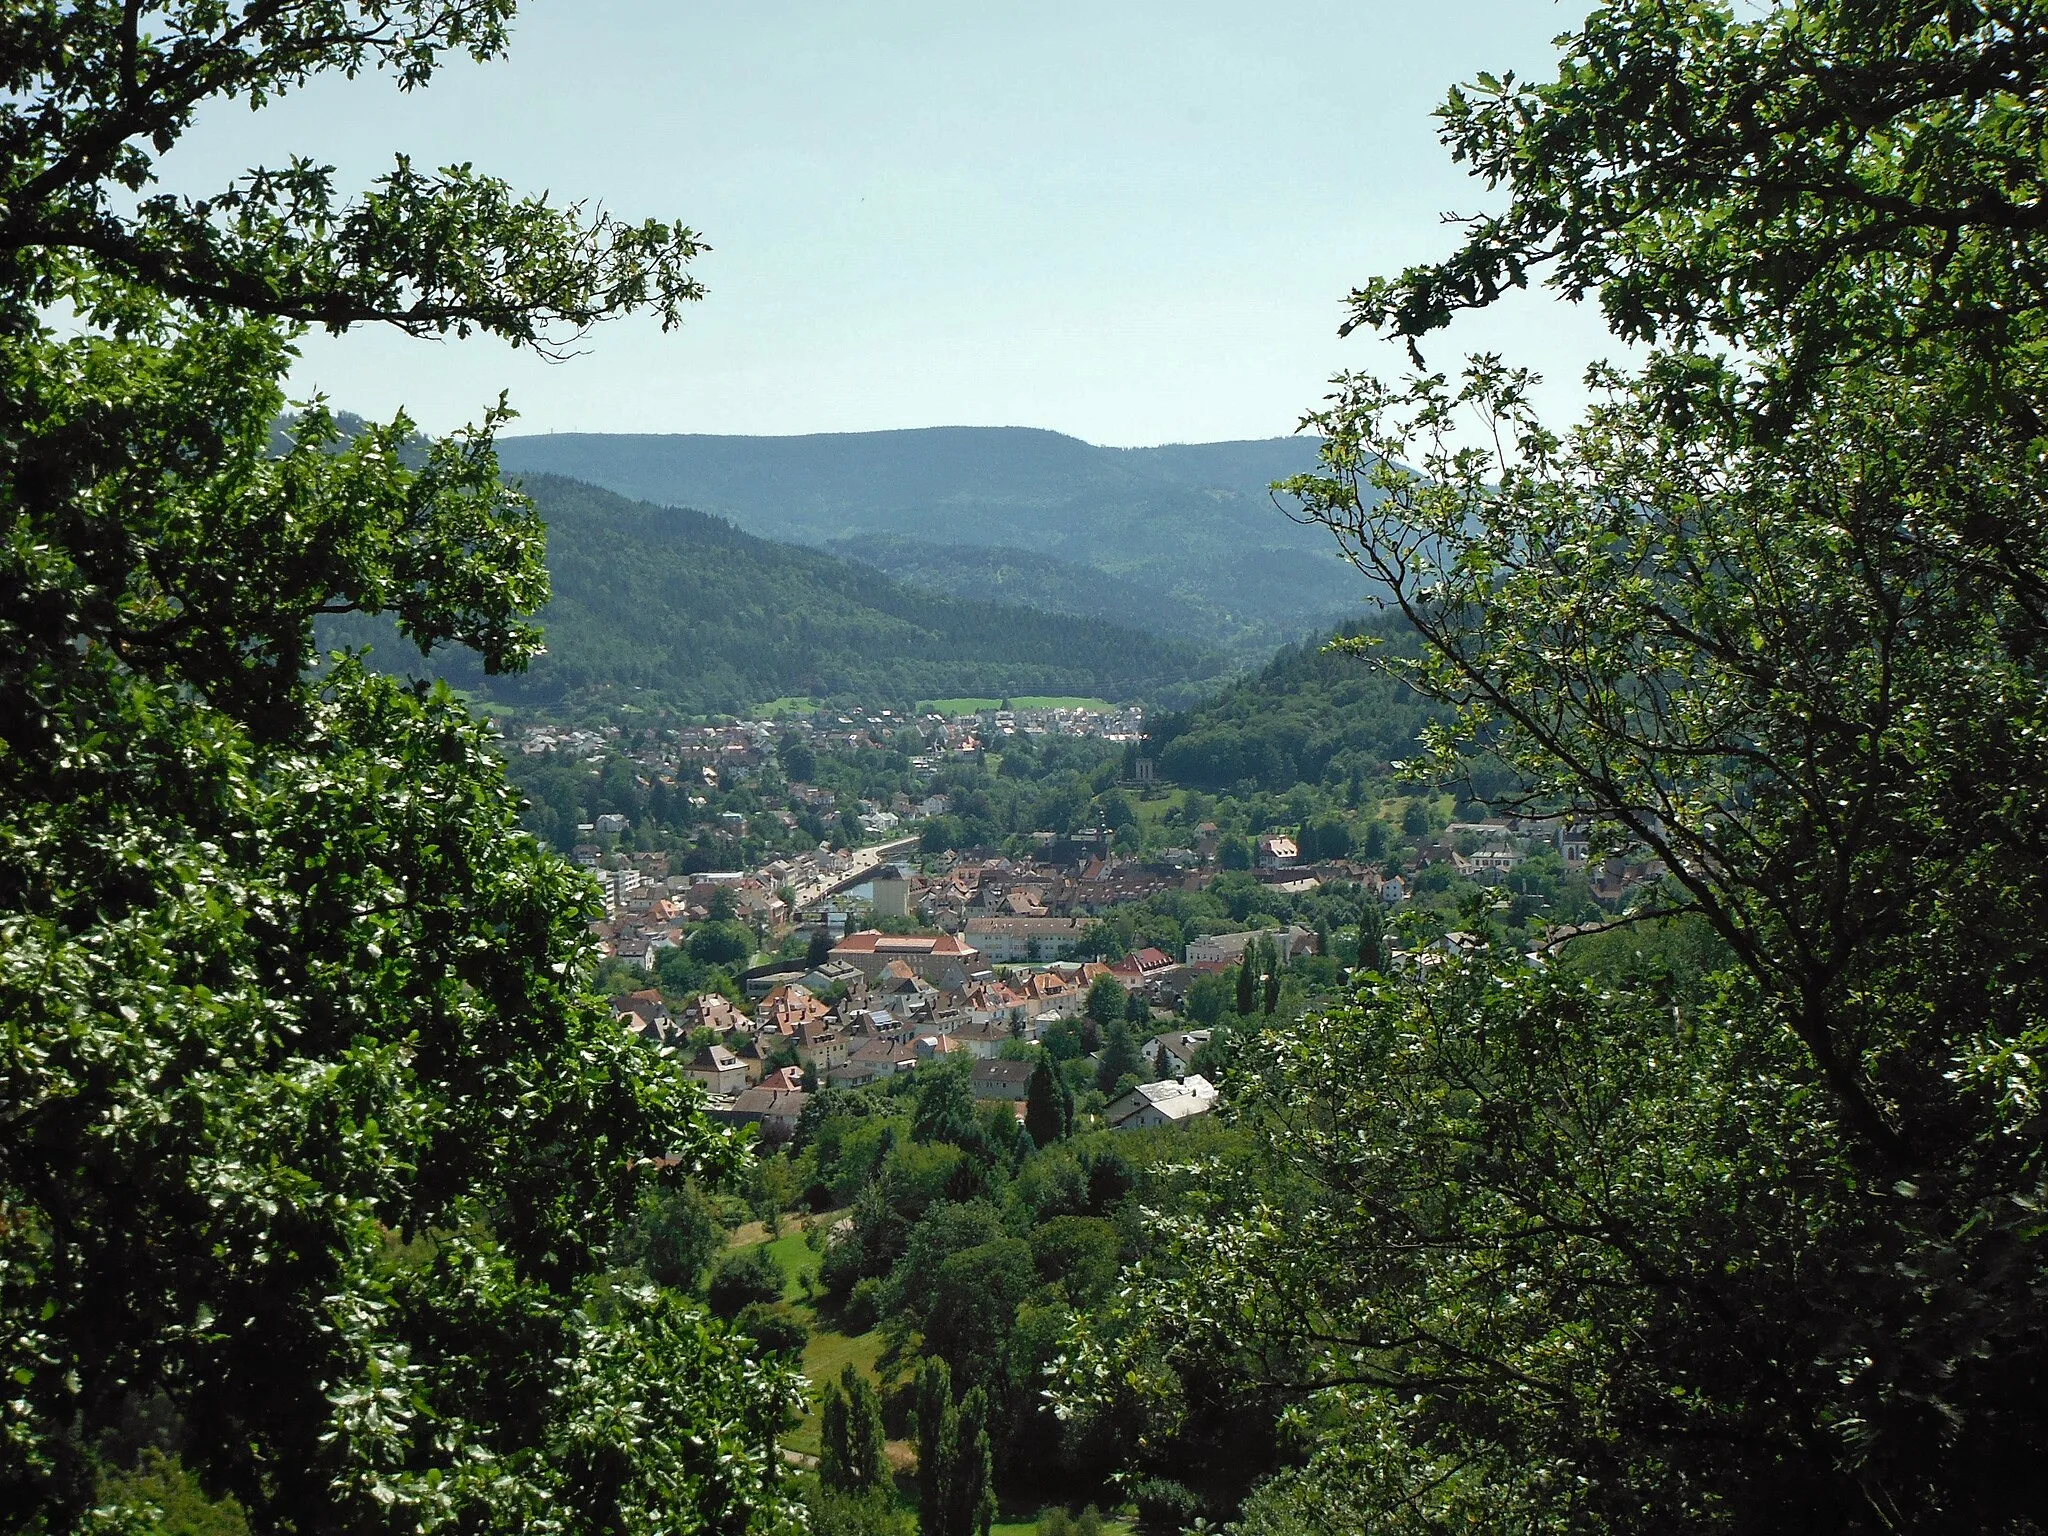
x: 1135, y: 222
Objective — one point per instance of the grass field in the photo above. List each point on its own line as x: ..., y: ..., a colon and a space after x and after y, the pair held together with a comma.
x: 1032, y: 701
x: 776, y: 708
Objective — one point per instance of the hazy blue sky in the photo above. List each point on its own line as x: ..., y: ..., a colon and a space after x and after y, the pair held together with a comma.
x: 1135, y: 222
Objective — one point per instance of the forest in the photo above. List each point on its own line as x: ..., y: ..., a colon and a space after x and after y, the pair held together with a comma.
x: 675, y: 608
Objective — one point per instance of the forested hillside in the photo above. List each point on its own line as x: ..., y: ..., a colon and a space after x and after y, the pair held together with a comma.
x: 685, y: 607
x: 1194, y: 525
x: 1309, y: 711
x: 995, y: 573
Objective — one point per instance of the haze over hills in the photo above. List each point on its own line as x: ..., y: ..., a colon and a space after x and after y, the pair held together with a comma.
x: 690, y: 611
x: 1189, y: 532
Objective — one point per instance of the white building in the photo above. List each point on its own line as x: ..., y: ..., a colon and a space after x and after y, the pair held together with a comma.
x: 1151, y: 1104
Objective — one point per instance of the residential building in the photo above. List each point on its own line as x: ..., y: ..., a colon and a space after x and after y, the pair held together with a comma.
x: 1229, y: 948
x: 1276, y: 852
x: 1015, y: 940
x: 1002, y: 1080
x: 718, y: 1070
x: 1168, y: 1103
x: 1175, y: 1052
x: 944, y: 960
x: 774, y: 1110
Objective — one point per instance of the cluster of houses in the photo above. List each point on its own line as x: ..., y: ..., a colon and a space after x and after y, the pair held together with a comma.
x: 883, y: 1004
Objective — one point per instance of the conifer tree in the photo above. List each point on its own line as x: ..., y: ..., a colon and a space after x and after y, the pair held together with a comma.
x: 1120, y: 1057
x: 835, y: 1469
x: 1372, y: 937
x: 862, y: 1453
x: 938, y: 1445
x: 1048, y: 1107
x: 1247, y: 981
x: 1272, y: 990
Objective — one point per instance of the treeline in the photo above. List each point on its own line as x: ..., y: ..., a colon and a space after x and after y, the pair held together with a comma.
x: 687, y: 610
x: 1311, y: 714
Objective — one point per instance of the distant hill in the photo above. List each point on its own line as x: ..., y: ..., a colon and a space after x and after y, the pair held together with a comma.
x: 688, y: 609
x: 1308, y: 715
x: 1190, y: 526
x: 992, y: 573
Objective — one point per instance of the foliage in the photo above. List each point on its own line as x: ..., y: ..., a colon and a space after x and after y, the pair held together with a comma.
x: 873, y: 1513
x: 1106, y: 999
x: 164, y: 1498
x: 854, y: 1458
x: 1690, y: 1235
x: 674, y: 1236
x: 742, y: 1278
x: 1048, y: 1103
x: 692, y: 613
x: 773, y: 1329
x: 955, y: 1475
x: 1120, y: 1058
x: 1311, y: 713
x: 286, y: 988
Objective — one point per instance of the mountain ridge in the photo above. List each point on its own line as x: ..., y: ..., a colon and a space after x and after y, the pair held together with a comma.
x: 694, y: 612
x: 1193, y: 523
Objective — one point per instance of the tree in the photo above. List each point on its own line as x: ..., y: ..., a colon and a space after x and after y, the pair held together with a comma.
x: 945, y: 1106
x: 1048, y: 1104
x: 819, y: 950
x: 1272, y: 991
x: 1247, y: 983
x: 936, y: 1424
x: 316, y: 1150
x: 1208, y: 996
x: 1106, y: 1001
x: 866, y: 1438
x: 724, y: 943
x: 799, y: 762
x: 1372, y: 937
x: 1137, y: 1009
x: 854, y: 1457
x: 1120, y: 1058
x: 955, y: 1462
x: 1769, y: 615
x: 743, y: 1279
x: 675, y: 1236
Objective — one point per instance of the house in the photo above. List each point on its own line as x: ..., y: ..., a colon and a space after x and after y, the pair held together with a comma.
x: 871, y: 1062
x: 983, y: 1040
x: 1002, y: 1080
x: 1277, y: 852
x: 644, y: 1012
x: 834, y: 975
x: 783, y: 1080
x: 945, y: 960
x: 1229, y: 948
x: 1169, y: 1103
x: 1010, y: 940
x: 1137, y: 968
x: 712, y: 1010
x: 1175, y: 1052
x: 787, y: 1006
x: 774, y: 1110
x: 717, y: 1069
